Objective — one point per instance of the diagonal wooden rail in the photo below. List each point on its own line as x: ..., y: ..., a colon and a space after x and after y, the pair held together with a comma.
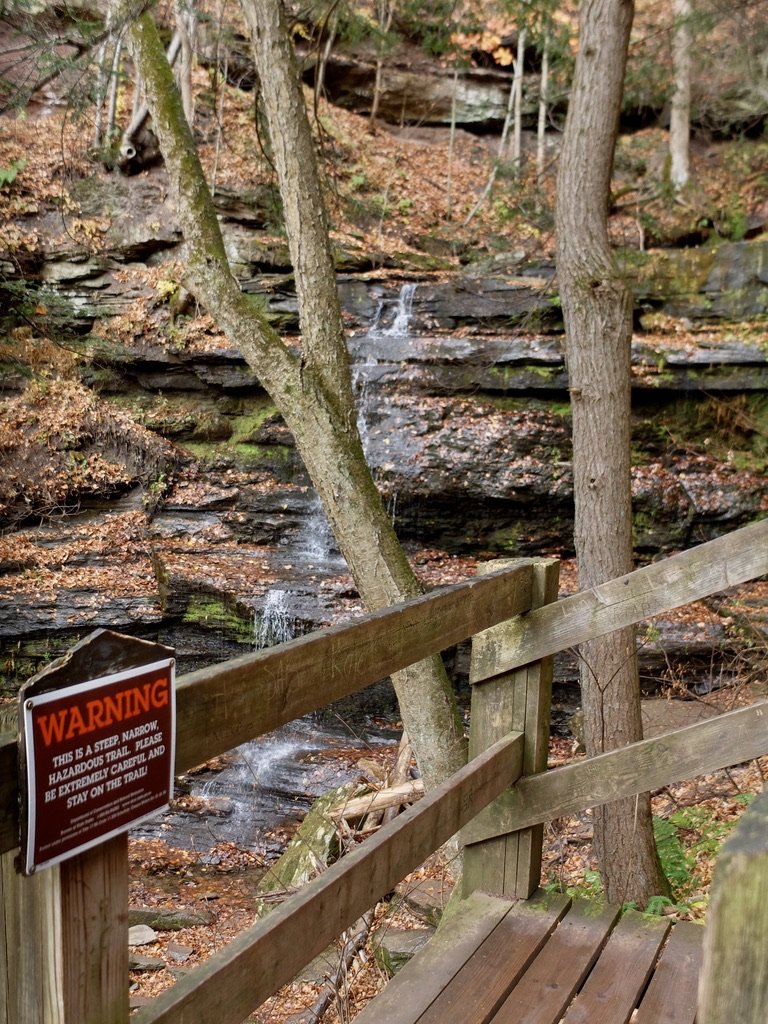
x: 220, y: 707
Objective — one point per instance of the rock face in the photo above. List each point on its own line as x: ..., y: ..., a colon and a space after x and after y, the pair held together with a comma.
x: 422, y: 97
x: 462, y: 404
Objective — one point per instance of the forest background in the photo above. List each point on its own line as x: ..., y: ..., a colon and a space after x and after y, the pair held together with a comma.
x: 393, y: 203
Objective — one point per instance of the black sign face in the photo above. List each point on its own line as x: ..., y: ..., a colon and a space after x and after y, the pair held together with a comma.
x: 99, y: 759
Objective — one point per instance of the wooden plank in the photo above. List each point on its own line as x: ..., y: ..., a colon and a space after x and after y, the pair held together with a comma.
x: 554, y: 977
x: 647, y: 765
x: 513, y: 701
x: 9, y: 793
x: 30, y: 946
x: 672, y: 994
x: 482, y: 984
x: 612, y: 991
x: 421, y: 981
x: 735, y: 973
x: 707, y: 569
x: 251, y: 968
x: 94, y: 914
x: 220, y: 707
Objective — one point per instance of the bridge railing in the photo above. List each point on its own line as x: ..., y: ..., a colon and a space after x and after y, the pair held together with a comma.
x: 63, y: 950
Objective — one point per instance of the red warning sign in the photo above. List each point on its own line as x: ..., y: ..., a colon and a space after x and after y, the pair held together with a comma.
x: 99, y: 759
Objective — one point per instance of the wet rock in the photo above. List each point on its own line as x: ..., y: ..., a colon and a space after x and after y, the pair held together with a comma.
x: 422, y: 96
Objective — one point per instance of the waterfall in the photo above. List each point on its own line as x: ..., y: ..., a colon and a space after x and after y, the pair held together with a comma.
x: 316, y: 542
x: 361, y: 390
x: 399, y: 326
x: 403, y: 306
x: 274, y: 624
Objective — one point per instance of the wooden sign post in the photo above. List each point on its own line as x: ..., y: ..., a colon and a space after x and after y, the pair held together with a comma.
x: 96, y: 751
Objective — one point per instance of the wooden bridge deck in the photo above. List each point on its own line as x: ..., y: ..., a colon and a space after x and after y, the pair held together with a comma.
x: 543, y: 961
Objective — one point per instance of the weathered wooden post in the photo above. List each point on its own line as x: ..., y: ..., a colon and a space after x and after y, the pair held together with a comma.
x: 503, y: 702
x: 733, y: 985
x: 96, y: 755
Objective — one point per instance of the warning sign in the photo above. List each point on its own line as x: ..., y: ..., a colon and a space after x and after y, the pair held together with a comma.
x: 99, y: 759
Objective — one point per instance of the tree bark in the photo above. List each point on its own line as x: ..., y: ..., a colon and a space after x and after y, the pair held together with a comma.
x: 517, y: 134
x: 597, y: 307
x: 680, y: 117
x: 313, y: 392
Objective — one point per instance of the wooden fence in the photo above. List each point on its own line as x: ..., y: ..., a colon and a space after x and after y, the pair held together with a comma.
x: 63, y: 949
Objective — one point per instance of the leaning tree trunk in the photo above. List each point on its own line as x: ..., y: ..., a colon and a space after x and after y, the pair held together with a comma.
x: 313, y: 392
x: 597, y: 305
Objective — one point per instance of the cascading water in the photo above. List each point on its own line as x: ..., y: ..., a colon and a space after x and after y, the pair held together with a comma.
x: 400, y: 325
x: 403, y: 311
x: 274, y: 624
x: 275, y: 777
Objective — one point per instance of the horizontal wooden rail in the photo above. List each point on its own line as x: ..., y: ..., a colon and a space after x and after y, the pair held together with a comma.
x: 649, y: 764
x: 237, y: 979
x: 220, y: 707
x: 694, y: 574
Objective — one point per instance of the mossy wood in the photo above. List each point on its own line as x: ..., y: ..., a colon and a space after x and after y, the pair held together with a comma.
x: 239, y: 977
x: 656, y: 588
x: 649, y: 764
x: 734, y: 983
x: 518, y: 700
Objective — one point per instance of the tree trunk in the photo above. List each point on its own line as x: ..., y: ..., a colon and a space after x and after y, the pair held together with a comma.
x: 186, y: 26
x: 597, y: 306
x: 385, y: 10
x: 517, y: 135
x: 541, y: 131
x: 680, y: 119
x: 314, y: 392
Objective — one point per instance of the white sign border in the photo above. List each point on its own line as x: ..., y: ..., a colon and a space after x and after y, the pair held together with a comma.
x: 32, y: 704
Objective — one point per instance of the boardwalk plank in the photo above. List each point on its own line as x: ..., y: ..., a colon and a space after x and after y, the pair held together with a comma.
x: 612, y: 991
x: 549, y: 984
x: 672, y: 994
x: 417, y: 985
x: 478, y: 989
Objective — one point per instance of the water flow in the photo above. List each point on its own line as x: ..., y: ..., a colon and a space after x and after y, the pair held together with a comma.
x: 274, y: 624
x: 400, y: 325
x: 403, y: 312
x: 315, y: 542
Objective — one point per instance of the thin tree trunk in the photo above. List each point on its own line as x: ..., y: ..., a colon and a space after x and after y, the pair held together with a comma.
x: 313, y: 392
x: 680, y: 119
x: 517, y: 135
x: 386, y: 11
x: 113, y: 88
x: 541, y: 132
x: 101, y: 90
x: 451, y: 145
x: 502, y: 143
x: 597, y: 306
x: 186, y: 25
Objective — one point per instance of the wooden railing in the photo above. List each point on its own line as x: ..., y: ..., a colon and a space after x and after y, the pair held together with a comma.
x: 63, y: 937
